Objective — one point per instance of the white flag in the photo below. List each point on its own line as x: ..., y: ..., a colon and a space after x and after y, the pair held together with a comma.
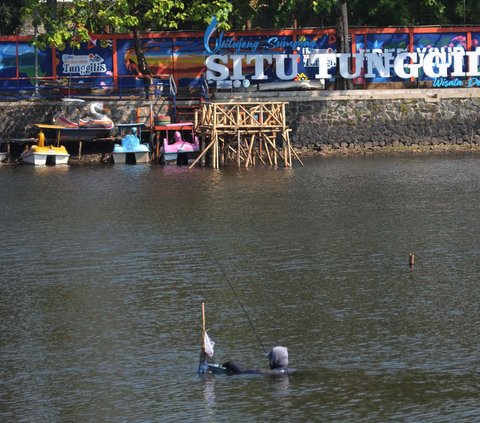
x: 209, y: 345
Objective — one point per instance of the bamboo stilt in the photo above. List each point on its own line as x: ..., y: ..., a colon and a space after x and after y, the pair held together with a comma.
x: 289, y: 149
x: 216, y: 147
x: 275, y: 152
x: 239, y: 141
x: 214, y: 153
x: 203, y: 153
x: 268, y: 152
x: 260, y: 158
x: 275, y: 149
x: 253, y: 149
x: 203, y: 142
x: 244, y: 152
x: 203, y: 327
x: 297, y: 157
x: 249, y: 155
x: 235, y: 152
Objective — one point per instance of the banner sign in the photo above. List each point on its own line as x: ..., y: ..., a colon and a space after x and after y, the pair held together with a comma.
x: 263, y: 57
x: 378, y: 57
x: 444, y: 58
x: 441, y: 58
x: 90, y: 65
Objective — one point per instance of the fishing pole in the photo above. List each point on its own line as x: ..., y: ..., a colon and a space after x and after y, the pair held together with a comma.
x: 235, y: 294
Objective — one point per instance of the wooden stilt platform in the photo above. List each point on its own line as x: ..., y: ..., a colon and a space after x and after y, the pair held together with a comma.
x: 245, y: 133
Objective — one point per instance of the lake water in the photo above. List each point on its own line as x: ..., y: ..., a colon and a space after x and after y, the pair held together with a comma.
x: 103, y: 271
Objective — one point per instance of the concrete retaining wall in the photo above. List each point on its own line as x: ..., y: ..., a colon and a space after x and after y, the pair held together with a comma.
x: 18, y: 118
x: 321, y: 121
x: 327, y: 121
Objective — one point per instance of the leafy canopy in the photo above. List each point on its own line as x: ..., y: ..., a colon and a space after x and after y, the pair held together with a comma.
x: 72, y: 22
x: 9, y: 16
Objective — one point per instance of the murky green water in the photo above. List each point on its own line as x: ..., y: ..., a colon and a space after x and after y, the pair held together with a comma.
x: 103, y: 272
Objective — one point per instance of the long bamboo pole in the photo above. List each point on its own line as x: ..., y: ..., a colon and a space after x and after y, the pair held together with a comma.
x: 202, y: 146
x: 260, y: 158
x: 203, y: 327
x: 292, y: 149
x: 250, y: 147
x: 239, y: 142
x: 235, y: 152
x: 243, y: 150
x: 289, y: 148
x: 275, y: 149
x: 285, y: 143
x: 225, y: 151
x: 202, y: 153
x: 268, y: 151
x: 215, y: 152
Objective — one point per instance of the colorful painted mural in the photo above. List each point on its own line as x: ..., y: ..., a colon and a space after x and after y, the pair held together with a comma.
x: 446, y: 43
x: 241, y: 58
x: 378, y: 43
x: 17, y: 64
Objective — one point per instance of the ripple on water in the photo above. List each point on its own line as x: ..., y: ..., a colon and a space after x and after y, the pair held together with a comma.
x: 104, y: 269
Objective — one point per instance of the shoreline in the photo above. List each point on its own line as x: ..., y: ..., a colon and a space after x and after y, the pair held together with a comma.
x: 391, y: 150
x: 321, y: 123
x: 105, y: 159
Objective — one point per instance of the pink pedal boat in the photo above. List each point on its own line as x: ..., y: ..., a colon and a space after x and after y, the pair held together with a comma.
x: 171, y: 150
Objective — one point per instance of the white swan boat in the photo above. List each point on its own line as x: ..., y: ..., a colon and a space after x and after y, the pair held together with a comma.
x: 98, y: 125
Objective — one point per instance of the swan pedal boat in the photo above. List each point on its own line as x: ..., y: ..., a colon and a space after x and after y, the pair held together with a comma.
x: 131, y: 146
x: 98, y: 126
x: 41, y: 156
x: 170, y: 151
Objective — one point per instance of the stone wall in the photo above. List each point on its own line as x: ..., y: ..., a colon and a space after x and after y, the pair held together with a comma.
x: 330, y: 121
x: 359, y: 124
x: 18, y: 118
x: 321, y: 121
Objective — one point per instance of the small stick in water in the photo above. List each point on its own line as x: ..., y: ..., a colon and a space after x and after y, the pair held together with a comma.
x: 411, y: 259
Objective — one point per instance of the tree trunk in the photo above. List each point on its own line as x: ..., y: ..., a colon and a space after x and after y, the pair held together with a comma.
x: 52, y: 12
x: 52, y: 6
x: 142, y: 64
x: 342, y: 42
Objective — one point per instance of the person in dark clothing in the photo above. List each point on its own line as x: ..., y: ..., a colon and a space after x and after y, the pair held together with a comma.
x: 278, y: 359
x: 278, y: 364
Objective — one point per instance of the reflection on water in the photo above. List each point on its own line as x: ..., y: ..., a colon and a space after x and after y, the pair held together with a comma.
x: 104, y: 269
x: 209, y: 397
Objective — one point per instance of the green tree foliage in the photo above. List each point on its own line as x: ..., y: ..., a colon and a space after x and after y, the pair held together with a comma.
x: 72, y: 22
x: 9, y: 16
x: 381, y: 13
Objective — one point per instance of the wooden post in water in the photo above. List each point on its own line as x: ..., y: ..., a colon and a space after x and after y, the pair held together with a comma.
x: 239, y: 142
x: 285, y: 143
x: 275, y: 156
x: 203, y: 327
x: 202, y: 147
x: 225, y: 152
x: 267, y: 149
